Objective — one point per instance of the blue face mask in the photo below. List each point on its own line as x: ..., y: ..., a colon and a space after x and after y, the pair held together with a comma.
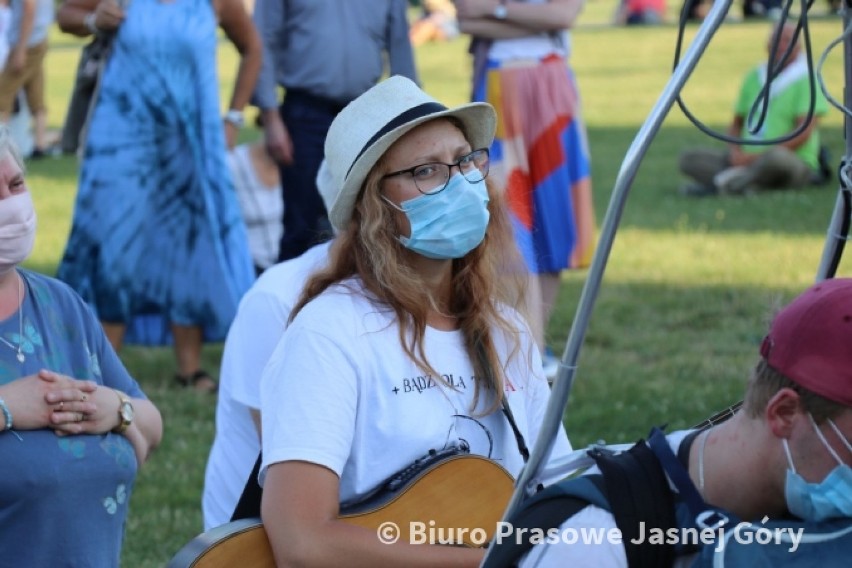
x: 829, y: 499
x: 448, y: 224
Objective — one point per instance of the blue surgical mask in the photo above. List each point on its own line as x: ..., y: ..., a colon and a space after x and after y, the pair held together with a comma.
x: 829, y: 499
x: 448, y: 224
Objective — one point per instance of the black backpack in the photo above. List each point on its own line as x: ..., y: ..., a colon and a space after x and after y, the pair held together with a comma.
x: 631, y: 484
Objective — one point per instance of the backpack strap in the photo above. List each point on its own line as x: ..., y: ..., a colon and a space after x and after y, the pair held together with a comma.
x: 639, y: 496
x: 546, y: 510
x: 704, y: 515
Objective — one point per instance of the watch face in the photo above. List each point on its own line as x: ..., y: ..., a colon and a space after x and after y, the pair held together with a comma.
x: 126, y: 412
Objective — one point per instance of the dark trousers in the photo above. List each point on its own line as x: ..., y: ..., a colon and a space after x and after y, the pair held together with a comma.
x: 308, y: 119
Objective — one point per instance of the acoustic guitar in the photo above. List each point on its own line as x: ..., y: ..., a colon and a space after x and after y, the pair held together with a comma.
x: 459, y: 492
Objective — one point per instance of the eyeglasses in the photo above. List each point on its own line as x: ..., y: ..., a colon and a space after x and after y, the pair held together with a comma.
x: 432, y: 178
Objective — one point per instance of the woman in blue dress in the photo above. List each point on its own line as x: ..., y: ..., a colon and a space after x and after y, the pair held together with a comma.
x: 157, y: 227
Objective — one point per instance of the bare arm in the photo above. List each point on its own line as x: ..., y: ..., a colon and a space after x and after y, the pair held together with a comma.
x: 255, y: 418
x: 240, y: 30
x: 146, y: 430
x: 18, y: 56
x: 299, y: 510
x: 476, y: 17
x: 797, y: 141
x: 71, y: 16
x: 740, y: 158
x: 270, y: 17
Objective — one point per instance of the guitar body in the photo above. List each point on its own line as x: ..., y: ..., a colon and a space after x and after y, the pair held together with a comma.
x: 461, y: 492
x: 238, y: 543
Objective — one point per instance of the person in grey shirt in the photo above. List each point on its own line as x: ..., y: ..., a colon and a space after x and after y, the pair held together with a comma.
x: 324, y: 53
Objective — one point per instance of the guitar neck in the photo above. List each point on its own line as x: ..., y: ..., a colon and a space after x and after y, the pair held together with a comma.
x: 719, y: 417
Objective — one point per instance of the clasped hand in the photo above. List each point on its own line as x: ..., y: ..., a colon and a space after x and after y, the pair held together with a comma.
x: 62, y: 403
x: 108, y: 16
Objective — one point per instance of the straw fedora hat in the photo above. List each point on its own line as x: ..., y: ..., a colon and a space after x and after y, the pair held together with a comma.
x: 369, y: 125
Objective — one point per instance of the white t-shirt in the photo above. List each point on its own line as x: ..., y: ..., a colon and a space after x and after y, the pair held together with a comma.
x: 42, y: 20
x: 340, y: 392
x: 262, y: 207
x: 600, y: 555
x: 260, y: 321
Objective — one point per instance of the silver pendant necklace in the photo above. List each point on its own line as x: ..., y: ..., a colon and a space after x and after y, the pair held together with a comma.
x: 18, y: 349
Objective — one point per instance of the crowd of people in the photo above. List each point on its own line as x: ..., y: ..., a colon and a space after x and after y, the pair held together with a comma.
x: 373, y: 239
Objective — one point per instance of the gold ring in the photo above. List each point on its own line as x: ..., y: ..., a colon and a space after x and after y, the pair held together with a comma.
x: 79, y: 417
x: 84, y: 398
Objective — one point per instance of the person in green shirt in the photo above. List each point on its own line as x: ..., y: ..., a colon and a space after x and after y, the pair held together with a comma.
x: 748, y: 168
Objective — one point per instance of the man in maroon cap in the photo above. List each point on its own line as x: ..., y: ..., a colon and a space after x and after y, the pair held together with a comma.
x: 786, y: 453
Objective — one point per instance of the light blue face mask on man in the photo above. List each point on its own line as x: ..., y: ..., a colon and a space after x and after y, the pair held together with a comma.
x: 829, y: 499
x: 448, y: 224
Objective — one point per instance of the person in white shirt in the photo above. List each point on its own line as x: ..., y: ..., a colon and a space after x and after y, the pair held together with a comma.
x: 407, y: 342
x: 261, y: 319
x: 258, y: 187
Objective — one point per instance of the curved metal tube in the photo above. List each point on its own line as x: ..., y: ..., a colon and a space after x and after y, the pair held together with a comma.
x: 837, y: 228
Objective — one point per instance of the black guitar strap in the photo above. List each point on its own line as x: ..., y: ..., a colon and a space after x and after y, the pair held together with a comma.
x: 248, y: 506
x: 519, y: 438
x: 485, y: 365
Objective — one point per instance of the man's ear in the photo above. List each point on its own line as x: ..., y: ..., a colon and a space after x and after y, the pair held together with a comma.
x: 781, y: 412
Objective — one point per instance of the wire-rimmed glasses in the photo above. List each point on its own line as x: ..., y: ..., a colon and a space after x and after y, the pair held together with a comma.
x: 433, y: 177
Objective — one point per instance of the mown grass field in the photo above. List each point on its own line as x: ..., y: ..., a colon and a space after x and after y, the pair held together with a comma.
x: 686, y: 294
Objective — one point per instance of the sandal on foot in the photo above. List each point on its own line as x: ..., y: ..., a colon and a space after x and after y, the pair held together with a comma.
x: 200, y: 381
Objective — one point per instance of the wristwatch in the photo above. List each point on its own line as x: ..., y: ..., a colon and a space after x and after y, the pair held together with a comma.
x: 500, y: 11
x: 125, y: 412
x: 235, y: 117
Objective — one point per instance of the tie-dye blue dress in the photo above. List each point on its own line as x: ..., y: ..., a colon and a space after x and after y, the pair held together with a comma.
x: 157, y: 226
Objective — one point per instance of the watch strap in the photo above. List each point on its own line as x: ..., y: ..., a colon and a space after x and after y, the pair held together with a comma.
x: 235, y: 117
x: 123, y: 423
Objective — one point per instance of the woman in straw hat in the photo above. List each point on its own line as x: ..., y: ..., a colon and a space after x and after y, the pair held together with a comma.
x: 406, y: 343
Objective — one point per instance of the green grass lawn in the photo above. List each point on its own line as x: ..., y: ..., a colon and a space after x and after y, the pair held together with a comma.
x: 687, y: 291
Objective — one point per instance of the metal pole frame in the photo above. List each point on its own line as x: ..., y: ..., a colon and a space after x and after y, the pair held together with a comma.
x: 838, y: 227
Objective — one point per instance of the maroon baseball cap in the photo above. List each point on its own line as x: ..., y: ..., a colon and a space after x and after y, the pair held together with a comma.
x: 810, y: 340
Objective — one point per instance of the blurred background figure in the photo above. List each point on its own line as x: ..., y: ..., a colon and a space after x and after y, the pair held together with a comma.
x: 540, y: 154
x: 437, y: 22
x: 324, y: 53
x: 640, y: 12
x: 26, y: 42
x: 20, y: 126
x: 258, y: 185
x: 761, y: 8
x: 747, y: 168
x: 157, y: 230
x: 5, y: 25
x: 696, y: 10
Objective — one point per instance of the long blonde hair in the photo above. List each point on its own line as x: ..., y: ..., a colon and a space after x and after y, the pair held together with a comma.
x: 482, y: 280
